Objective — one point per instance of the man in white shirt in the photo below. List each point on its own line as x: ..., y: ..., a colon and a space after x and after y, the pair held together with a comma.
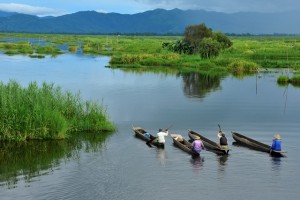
x: 161, y: 135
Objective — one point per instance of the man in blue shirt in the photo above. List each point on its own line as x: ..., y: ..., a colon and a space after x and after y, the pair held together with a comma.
x: 276, y: 144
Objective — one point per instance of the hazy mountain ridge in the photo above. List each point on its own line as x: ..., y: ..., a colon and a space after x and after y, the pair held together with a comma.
x: 157, y: 21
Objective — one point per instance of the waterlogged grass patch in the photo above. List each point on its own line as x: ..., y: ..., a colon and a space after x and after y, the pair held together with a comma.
x: 242, y: 66
x: 73, y: 49
x: 285, y: 80
x: 47, y: 113
x: 36, y: 56
x: 295, y: 80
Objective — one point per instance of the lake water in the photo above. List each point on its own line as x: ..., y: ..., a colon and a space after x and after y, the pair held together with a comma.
x: 120, y: 166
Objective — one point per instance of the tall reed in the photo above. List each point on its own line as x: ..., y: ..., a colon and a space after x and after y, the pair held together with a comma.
x: 46, y: 112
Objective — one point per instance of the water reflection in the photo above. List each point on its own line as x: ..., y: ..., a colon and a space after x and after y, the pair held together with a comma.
x: 198, y: 85
x: 195, y: 84
x: 276, y: 163
x: 223, y: 159
x: 27, y: 160
x: 222, y: 163
x: 197, y: 162
x: 161, y: 155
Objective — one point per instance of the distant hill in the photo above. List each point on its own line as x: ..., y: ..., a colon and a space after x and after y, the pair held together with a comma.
x: 7, y: 14
x: 157, y: 21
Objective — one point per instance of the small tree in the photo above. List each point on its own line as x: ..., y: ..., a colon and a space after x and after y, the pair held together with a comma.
x: 195, y: 33
x: 209, y: 48
x: 222, y: 39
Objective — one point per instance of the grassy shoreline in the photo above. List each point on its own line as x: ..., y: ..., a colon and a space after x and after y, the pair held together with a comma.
x: 248, y: 53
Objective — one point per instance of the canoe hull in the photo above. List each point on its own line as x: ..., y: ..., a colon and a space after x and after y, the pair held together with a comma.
x: 254, y: 144
x: 139, y: 133
x: 184, y: 145
x: 208, y: 144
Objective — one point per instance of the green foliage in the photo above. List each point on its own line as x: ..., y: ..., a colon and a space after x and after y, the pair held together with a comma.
x: 194, y: 34
x: 295, y: 80
x: 199, y: 39
x: 283, y: 79
x: 17, y: 48
x: 242, y: 66
x: 48, y: 50
x: 209, y: 48
x: 46, y: 113
x: 222, y: 39
x: 27, y: 48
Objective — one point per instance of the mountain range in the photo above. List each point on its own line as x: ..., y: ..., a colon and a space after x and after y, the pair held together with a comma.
x: 157, y: 21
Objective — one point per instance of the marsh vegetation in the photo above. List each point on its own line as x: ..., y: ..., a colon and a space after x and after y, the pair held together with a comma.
x: 46, y: 112
x: 244, y: 54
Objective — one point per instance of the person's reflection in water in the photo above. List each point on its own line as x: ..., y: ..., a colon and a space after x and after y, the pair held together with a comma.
x: 161, y: 155
x: 197, y: 163
x: 276, y: 163
x: 222, y: 163
x: 223, y: 159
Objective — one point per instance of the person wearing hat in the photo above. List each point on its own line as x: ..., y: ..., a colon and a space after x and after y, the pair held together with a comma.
x: 276, y: 144
x: 197, y: 145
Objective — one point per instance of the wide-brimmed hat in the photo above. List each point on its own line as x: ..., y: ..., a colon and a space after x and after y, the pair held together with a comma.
x: 277, y: 136
x: 197, y: 138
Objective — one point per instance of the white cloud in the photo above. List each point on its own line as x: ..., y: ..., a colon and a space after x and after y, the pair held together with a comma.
x: 32, y: 10
x: 101, y: 11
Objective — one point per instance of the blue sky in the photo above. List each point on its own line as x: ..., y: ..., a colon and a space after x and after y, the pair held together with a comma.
x: 60, y: 7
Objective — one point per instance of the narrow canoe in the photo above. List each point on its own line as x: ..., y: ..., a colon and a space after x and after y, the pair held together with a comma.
x: 183, y: 144
x: 139, y: 133
x: 208, y: 144
x: 254, y: 144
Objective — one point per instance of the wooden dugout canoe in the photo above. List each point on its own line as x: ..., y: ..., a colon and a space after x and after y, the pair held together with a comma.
x: 208, y: 144
x: 139, y: 133
x: 256, y: 145
x: 183, y: 144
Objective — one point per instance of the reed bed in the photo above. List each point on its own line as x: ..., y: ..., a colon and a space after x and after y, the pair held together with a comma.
x: 45, y: 112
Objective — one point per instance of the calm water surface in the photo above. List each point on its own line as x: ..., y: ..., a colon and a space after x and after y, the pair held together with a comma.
x: 119, y: 166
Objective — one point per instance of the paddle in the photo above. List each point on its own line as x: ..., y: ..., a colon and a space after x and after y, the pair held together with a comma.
x: 220, y: 130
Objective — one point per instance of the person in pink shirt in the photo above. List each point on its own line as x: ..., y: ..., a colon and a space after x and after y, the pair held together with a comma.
x: 197, y: 145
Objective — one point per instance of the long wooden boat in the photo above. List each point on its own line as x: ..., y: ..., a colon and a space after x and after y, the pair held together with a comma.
x: 140, y: 133
x: 183, y: 144
x: 256, y: 145
x: 208, y: 144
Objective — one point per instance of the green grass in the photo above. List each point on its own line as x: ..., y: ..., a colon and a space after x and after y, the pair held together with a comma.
x: 285, y: 80
x: 26, y: 48
x: 246, y: 55
x: 295, y: 80
x: 46, y: 112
